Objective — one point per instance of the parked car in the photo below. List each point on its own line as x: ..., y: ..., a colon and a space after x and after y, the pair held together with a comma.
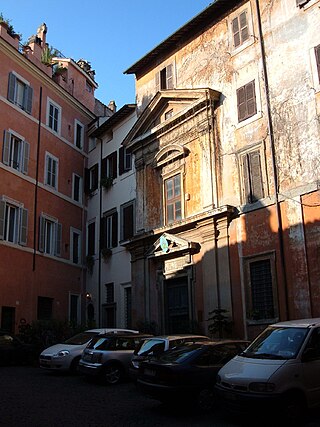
x: 157, y: 345
x: 188, y: 372
x: 66, y: 356
x: 280, y: 370
x: 108, y: 356
x: 15, y: 352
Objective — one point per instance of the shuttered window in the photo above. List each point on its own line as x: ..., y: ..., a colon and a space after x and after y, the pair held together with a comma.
x: 253, y: 188
x: 51, y: 172
x: 15, y: 152
x: 20, y: 93
x: 109, y: 166
x: 240, y: 29
x: 91, y: 238
x: 125, y: 161
x: 246, y: 101
x: 164, y: 78
x: 50, y: 236
x: 78, y: 134
x: 173, y: 199
x: 127, y: 221
x: 109, y: 230
x: 13, y: 223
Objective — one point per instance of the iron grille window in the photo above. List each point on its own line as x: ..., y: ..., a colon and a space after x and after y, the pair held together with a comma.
x: 262, y: 302
x: 128, y: 305
x: 109, y: 293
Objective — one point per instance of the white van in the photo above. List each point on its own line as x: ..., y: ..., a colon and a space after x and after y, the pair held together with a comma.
x: 280, y: 369
x: 66, y: 356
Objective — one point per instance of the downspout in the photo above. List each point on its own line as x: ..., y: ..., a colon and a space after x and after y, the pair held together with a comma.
x: 273, y: 158
x: 100, y: 239
x: 37, y: 184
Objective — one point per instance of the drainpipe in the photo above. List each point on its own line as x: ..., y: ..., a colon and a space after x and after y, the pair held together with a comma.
x: 273, y: 158
x: 100, y: 242
x: 37, y: 184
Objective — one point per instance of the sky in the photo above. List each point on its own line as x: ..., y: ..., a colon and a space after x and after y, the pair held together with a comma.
x: 111, y: 35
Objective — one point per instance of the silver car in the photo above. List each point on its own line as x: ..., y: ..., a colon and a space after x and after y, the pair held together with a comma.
x: 108, y: 356
x: 66, y: 356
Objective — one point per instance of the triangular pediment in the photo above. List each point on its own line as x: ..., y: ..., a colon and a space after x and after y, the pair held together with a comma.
x: 164, y: 110
x: 169, y: 245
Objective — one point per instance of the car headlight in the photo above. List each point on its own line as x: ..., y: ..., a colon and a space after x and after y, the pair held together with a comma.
x: 135, y: 364
x: 62, y: 353
x: 262, y: 387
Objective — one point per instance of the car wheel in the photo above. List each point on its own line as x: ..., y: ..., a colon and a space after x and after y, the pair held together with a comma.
x: 74, y: 365
x: 206, y: 399
x: 112, y: 374
x: 294, y: 408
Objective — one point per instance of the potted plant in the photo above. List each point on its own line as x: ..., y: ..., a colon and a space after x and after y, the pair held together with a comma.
x: 106, y: 253
x: 106, y: 182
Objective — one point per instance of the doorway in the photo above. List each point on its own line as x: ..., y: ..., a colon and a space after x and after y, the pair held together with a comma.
x: 177, y: 319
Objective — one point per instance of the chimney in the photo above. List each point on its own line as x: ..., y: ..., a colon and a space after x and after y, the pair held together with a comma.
x: 112, y: 106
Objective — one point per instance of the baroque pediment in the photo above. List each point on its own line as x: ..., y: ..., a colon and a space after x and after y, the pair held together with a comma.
x: 171, y: 245
x: 166, y: 109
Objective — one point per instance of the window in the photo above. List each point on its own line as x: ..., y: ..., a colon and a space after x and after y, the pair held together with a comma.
x: 301, y: 3
x: 91, y: 179
x: 109, y: 229
x: 173, y: 199
x: 127, y: 220
x: 246, y: 101
x: 109, y: 166
x: 240, y: 29
x: 91, y: 250
x: 74, y: 309
x: 261, y: 295
x: 317, y: 55
x: 125, y: 160
x: 78, y: 134
x: 109, y: 308
x: 20, y: 92
x: 53, y: 116
x: 51, y: 172
x: 13, y: 222
x: 50, y: 236
x: 15, y: 152
x: 109, y: 293
x: 164, y: 78
x: 44, y: 311
x: 252, y: 179
x: 77, y: 188
x: 75, y: 246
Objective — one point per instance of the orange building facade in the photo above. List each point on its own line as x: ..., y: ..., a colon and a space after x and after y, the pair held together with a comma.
x: 44, y: 112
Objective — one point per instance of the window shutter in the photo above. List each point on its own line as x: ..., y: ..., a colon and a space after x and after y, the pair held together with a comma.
x: 301, y: 2
x: 2, y: 218
x: 121, y: 160
x: 26, y: 153
x: 103, y: 231
x: 6, y: 148
x: 58, y: 231
x: 236, y: 32
x: 244, y: 26
x: 128, y: 222
x: 23, y: 226
x: 246, y: 181
x: 317, y: 53
x: 158, y: 82
x: 251, y: 99
x: 241, y: 103
x: 11, y: 87
x: 115, y: 229
x: 86, y: 181
x: 256, y: 178
x: 28, y: 99
x: 94, y: 177
x: 41, y: 233
x: 104, y: 163
x: 114, y: 164
x: 169, y: 76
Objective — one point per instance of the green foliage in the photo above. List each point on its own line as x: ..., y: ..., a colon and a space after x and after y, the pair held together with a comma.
x: 10, y: 26
x: 106, y: 182
x: 220, y: 322
x: 48, y: 53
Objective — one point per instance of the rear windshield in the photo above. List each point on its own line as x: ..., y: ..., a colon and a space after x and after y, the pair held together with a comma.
x: 152, y: 345
x: 277, y: 343
x: 180, y: 354
x: 81, y: 338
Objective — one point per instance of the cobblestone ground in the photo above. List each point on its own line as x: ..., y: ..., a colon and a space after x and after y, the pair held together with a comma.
x: 30, y: 396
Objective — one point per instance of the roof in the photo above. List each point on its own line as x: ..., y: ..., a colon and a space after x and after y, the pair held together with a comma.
x: 299, y: 323
x: 215, y: 9
x: 114, y: 120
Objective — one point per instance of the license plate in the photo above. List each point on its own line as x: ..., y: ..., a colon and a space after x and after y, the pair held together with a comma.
x: 150, y: 372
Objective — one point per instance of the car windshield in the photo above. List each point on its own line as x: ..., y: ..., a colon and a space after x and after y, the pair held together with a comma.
x: 148, y: 346
x: 277, y: 343
x: 180, y: 354
x: 81, y: 338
